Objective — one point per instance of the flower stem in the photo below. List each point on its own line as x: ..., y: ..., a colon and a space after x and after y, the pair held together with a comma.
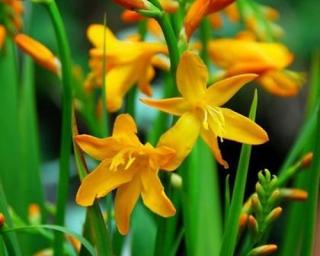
x: 65, y: 57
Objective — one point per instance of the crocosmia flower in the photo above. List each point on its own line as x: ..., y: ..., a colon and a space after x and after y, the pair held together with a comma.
x: 199, y: 9
x: 269, y: 60
x: 129, y: 167
x: 201, y: 112
x: 127, y: 63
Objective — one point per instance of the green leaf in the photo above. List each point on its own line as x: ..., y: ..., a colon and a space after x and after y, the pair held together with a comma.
x: 201, y: 202
x: 231, y: 229
x: 143, y: 232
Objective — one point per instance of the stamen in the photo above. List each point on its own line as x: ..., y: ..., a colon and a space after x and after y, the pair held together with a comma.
x: 218, y: 117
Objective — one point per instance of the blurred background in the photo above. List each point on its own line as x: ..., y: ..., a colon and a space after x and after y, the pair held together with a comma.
x: 281, y: 117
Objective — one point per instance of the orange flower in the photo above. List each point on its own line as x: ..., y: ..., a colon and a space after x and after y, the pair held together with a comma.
x: 129, y: 167
x: 41, y: 54
x: 269, y: 60
x: 127, y: 63
x: 2, y: 35
x: 199, y: 9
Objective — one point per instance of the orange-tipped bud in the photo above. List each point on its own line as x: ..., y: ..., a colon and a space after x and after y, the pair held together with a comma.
x: 170, y: 6
x: 129, y: 16
x: 253, y: 224
x: 256, y: 204
x: 243, y: 220
x: 273, y: 215
x: 41, y: 54
x: 132, y: 4
x: 2, y: 220
x: 306, y: 160
x: 75, y: 243
x: 293, y: 194
x: 2, y: 35
x: 34, y: 214
x: 263, y: 250
x: 198, y: 10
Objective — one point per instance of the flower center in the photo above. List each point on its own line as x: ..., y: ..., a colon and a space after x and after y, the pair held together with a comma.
x: 216, y: 116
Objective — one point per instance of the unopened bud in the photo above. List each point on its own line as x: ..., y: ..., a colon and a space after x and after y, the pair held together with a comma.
x: 243, y: 221
x: 39, y: 53
x: 75, y: 243
x: 263, y: 250
x: 176, y: 180
x: 256, y: 204
x: 273, y: 215
x: 274, y: 198
x: 247, y: 206
x: 2, y: 220
x: 133, y: 4
x: 293, y: 194
x: 253, y: 224
x: 34, y: 214
x: 260, y: 190
x: 306, y: 160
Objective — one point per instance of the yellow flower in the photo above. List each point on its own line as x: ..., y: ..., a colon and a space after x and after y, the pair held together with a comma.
x: 128, y: 166
x: 200, y: 111
x: 41, y: 54
x: 199, y: 9
x: 127, y: 63
x: 269, y: 60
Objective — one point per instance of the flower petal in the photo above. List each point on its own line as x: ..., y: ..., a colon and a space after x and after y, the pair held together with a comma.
x: 125, y: 130
x: 153, y: 194
x: 221, y: 91
x: 181, y: 137
x: 176, y: 106
x: 119, y: 80
x: 126, y: 198
x: 239, y: 128
x: 211, y: 139
x: 124, y: 124
x: 100, y: 182
x: 144, y: 81
x: 99, y: 35
x: 281, y: 84
x: 192, y: 77
x: 97, y: 148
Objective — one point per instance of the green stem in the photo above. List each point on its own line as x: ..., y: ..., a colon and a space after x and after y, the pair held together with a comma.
x: 205, y: 34
x: 231, y: 230
x: 64, y: 164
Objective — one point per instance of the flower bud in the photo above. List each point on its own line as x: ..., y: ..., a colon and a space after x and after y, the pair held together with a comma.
x: 41, y: 54
x: 34, y: 214
x: 273, y: 215
x: 2, y: 35
x: 259, y: 189
x: 176, y: 180
x: 243, y: 221
x: 306, y: 160
x: 256, y: 204
x: 293, y: 194
x: 133, y: 4
x: 263, y: 250
x: 253, y: 224
x: 2, y: 220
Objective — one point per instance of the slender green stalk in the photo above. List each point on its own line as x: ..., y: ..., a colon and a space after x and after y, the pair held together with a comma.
x: 64, y: 164
x: 313, y: 179
x: 205, y: 33
x: 231, y: 230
